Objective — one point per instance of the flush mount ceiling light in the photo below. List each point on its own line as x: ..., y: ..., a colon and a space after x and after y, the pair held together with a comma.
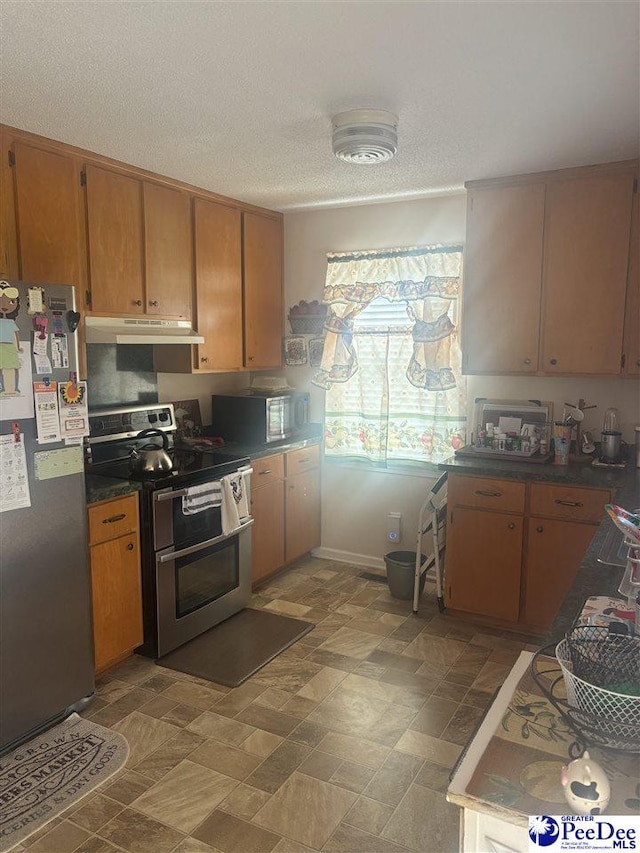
x: 365, y: 136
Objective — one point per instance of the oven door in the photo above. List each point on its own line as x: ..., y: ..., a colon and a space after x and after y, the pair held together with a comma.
x: 201, y: 585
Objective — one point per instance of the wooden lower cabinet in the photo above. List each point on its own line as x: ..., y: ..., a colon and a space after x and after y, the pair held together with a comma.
x: 285, y: 505
x: 267, y: 509
x: 555, y: 549
x: 302, y: 514
x: 515, y: 563
x: 484, y: 553
x: 115, y: 580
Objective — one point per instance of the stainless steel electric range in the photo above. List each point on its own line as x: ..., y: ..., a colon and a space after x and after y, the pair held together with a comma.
x: 193, y: 575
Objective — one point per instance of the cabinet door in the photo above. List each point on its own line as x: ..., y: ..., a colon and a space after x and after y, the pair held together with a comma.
x: 168, y: 252
x: 267, y: 538
x: 302, y: 519
x: 218, y: 253
x: 262, y: 246
x: 555, y: 550
x: 631, y: 343
x: 8, y: 238
x: 585, y: 275
x: 49, y: 217
x: 117, y: 599
x: 114, y: 222
x: 502, y: 279
x: 482, y: 562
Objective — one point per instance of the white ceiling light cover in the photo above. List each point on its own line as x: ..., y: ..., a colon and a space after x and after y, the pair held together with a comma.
x: 365, y: 137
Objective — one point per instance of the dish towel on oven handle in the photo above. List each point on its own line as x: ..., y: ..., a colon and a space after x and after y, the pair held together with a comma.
x: 235, y: 499
x: 199, y: 498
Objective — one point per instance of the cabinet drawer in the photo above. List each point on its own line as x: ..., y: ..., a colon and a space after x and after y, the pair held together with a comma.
x: 266, y: 470
x: 485, y: 493
x: 113, y: 518
x: 569, y: 502
x: 302, y: 460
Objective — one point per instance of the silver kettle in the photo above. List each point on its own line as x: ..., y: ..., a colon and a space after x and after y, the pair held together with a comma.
x: 150, y: 458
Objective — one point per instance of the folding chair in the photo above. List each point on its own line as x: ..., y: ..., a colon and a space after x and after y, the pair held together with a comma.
x: 433, y: 520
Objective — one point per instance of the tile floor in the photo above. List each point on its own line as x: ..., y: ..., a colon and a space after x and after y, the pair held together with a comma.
x: 343, y: 743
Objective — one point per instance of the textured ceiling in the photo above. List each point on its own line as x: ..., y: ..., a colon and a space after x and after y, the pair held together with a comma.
x: 237, y: 97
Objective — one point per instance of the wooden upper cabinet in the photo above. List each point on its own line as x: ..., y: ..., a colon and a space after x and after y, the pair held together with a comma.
x: 8, y: 237
x: 502, y: 282
x: 587, y: 232
x: 631, y: 338
x: 49, y: 216
x: 116, y: 251
x: 218, y: 260
x: 168, y: 252
x: 263, y: 300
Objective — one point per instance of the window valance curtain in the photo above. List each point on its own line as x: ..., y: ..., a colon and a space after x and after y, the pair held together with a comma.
x: 427, y: 279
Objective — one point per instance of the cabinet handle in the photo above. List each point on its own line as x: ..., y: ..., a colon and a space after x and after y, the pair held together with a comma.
x: 266, y: 471
x: 154, y: 303
x: 114, y: 518
x: 512, y: 525
x: 527, y: 361
x: 204, y: 358
x: 569, y: 503
x: 130, y: 546
x: 137, y: 301
x: 638, y: 362
x: 303, y: 460
x: 553, y: 361
x: 251, y: 358
x: 539, y: 529
x: 485, y: 493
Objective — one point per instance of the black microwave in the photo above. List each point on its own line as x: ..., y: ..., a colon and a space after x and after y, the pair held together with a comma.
x: 258, y: 417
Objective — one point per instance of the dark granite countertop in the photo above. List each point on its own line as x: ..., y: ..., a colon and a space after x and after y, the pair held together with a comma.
x: 100, y: 488
x: 593, y: 578
x: 107, y: 488
x: 312, y: 434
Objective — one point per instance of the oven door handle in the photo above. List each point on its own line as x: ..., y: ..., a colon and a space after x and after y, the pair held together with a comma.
x: 193, y: 549
x: 169, y: 496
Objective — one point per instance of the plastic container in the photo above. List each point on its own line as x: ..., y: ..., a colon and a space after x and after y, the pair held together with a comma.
x: 401, y: 569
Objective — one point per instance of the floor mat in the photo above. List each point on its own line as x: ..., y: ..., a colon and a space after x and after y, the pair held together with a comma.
x: 232, y: 651
x: 46, y: 775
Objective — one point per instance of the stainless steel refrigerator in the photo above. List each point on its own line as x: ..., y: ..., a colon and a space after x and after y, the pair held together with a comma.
x: 46, y: 643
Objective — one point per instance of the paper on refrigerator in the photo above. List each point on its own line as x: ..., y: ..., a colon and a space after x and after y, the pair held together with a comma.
x: 74, y: 411
x: 14, y: 493
x: 45, y: 395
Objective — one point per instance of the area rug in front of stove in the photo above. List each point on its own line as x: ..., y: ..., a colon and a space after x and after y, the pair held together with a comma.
x: 236, y: 648
x: 45, y: 776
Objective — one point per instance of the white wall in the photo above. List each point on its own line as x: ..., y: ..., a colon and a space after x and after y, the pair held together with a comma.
x: 355, y: 503
x: 178, y: 386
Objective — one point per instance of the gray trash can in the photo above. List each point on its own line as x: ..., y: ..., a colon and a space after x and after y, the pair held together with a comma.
x: 401, y: 567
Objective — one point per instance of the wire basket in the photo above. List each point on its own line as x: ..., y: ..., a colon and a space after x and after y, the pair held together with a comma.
x: 597, y: 714
x: 307, y: 324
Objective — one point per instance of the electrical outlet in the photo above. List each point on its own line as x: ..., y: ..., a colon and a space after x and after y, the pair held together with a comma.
x: 393, y: 526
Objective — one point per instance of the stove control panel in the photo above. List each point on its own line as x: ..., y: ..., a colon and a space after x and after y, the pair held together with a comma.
x: 113, y: 424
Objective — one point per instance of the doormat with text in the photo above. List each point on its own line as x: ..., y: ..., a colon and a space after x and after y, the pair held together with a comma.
x: 46, y: 775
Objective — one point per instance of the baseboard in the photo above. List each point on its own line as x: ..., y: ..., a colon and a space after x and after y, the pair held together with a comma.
x: 350, y: 557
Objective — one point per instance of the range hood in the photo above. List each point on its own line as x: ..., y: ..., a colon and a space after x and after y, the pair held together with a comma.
x: 113, y: 330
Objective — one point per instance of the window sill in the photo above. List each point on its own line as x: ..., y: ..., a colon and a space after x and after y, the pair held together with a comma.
x: 408, y: 469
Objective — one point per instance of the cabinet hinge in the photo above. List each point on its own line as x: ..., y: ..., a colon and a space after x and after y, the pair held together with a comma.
x: 623, y: 360
x: 12, y: 158
x: 83, y: 178
x: 635, y: 185
x: 87, y: 298
x: 451, y: 518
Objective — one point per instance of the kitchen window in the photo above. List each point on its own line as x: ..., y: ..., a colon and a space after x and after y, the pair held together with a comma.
x: 391, y: 361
